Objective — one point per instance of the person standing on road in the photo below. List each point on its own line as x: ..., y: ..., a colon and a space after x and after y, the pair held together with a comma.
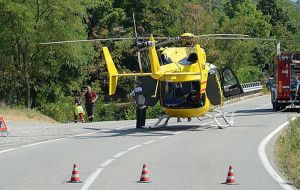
x: 298, y: 85
x: 90, y: 99
x: 141, y: 108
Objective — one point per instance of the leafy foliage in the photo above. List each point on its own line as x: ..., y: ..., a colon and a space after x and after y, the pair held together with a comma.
x: 44, y: 76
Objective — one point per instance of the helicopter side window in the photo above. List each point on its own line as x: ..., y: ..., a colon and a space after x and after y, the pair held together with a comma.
x: 192, y: 58
x: 165, y: 59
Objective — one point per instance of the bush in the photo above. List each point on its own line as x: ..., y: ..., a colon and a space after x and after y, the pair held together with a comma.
x: 288, y: 152
x: 248, y: 74
x: 109, y: 112
x: 155, y: 111
x: 61, y: 110
x: 130, y: 112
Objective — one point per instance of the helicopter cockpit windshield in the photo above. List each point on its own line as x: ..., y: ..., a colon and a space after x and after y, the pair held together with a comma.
x: 182, y: 95
x: 181, y: 55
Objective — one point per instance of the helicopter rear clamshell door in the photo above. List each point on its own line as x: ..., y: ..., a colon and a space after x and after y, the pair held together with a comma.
x: 150, y: 91
x: 230, y: 83
x: 213, y: 89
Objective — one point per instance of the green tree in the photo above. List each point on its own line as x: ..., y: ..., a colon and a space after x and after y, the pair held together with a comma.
x: 35, y: 68
x: 279, y: 17
x: 247, y: 19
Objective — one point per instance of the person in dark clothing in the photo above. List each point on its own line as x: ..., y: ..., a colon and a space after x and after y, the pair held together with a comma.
x: 140, y: 107
x: 90, y: 99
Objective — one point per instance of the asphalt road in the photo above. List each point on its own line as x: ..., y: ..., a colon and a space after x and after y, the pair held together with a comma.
x: 182, y: 156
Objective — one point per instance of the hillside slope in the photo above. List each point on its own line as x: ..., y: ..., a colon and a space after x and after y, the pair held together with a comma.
x: 21, y: 114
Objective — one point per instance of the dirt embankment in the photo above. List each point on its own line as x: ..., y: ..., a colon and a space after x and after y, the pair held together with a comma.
x: 24, y: 115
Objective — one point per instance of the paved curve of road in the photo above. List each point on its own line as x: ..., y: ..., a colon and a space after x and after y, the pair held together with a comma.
x: 182, y: 156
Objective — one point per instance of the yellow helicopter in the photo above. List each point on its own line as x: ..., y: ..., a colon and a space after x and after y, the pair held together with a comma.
x: 181, y: 80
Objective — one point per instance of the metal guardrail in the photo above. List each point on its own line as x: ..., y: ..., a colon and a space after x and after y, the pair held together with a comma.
x: 252, y: 86
x: 248, y: 88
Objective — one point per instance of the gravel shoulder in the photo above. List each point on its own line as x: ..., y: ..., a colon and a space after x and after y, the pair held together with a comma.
x: 24, y: 133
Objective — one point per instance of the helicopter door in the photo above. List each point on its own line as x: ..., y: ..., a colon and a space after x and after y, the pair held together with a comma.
x: 230, y: 84
x: 149, y: 87
x: 213, y: 90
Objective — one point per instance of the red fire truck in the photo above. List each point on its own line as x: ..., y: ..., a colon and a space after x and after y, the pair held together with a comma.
x: 283, y: 88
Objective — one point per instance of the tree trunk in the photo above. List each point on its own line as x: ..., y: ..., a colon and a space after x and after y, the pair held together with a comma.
x: 27, y: 78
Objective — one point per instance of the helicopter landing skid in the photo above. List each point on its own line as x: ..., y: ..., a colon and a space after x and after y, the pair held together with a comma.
x: 219, y: 113
x: 156, y: 124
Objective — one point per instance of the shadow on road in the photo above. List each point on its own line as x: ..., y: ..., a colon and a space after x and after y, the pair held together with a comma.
x: 134, y: 132
x: 174, y: 127
x: 243, y: 113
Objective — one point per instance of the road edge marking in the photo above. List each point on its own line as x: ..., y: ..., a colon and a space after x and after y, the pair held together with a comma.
x: 264, y: 159
x: 7, y: 150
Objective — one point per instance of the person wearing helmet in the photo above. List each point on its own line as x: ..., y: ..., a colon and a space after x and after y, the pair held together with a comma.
x: 141, y: 108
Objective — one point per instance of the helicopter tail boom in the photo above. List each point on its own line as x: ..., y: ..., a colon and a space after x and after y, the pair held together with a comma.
x: 112, y: 71
x: 154, y: 61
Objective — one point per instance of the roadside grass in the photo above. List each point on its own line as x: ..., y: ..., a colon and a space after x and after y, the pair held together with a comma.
x: 288, y: 152
x: 24, y: 115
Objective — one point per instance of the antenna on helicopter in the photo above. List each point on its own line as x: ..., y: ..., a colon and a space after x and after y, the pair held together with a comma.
x: 136, y: 37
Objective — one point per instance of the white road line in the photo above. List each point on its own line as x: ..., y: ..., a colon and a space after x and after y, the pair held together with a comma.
x: 178, y: 132
x: 106, y: 163
x: 163, y: 137
x: 53, y: 140
x: 7, y: 150
x: 43, y: 142
x: 262, y: 106
x: 120, y: 154
x: 207, y: 123
x: 89, y: 181
x: 134, y: 147
x: 151, y: 122
x: 149, y: 142
x: 83, y: 134
x: 265, y: 161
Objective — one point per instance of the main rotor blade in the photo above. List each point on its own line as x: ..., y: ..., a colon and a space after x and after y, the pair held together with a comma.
x: 220, y: 35
x: 241, y: 38
x: 92, y: 40
x: 100, y: 40
x: 214, y: 36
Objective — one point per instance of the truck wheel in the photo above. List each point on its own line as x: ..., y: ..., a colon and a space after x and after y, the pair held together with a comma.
x: 276, y: 106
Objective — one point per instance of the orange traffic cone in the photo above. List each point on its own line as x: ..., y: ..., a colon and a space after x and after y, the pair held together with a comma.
x: 75, y: 175
x: 144, y: 177
x: 230, y: 177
